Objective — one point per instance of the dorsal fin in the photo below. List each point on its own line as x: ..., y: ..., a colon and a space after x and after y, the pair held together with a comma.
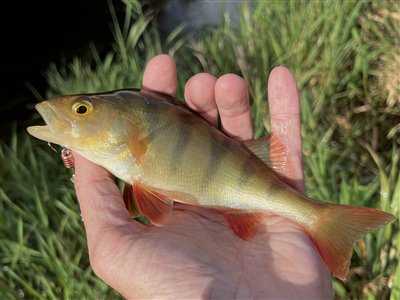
x: 272, y: 152
x: 260, y: 148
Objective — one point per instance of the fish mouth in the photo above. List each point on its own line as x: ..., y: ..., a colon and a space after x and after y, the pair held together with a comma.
x: 45, y: 132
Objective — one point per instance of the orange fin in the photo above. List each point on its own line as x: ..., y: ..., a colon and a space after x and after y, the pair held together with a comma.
x: 136, y: 143
x: 260, y: 147
x: 245, y: 225
x: 130, y: 202
x: 153, y: 205
x: 338, y: 228
x: 272, y: 152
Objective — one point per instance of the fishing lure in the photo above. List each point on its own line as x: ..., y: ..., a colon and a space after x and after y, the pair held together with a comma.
x: 67, y: 158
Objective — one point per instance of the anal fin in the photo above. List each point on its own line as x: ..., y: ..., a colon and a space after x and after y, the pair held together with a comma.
x: 244, y: 224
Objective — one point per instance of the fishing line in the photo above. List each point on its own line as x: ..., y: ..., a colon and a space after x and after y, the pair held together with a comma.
x: 67, y: 158
x: 52, y: 148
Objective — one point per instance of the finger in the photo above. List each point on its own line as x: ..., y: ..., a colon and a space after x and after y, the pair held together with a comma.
x: 284, y: 107
x: 232, y: 98
x: 160, y: 75
x: 101, y: 204
x: 200, y: 96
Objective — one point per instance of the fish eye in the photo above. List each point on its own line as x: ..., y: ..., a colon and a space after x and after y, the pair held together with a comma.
x: 82, y: 107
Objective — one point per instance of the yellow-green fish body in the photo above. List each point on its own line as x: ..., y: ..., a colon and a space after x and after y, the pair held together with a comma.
x: 168, y: 153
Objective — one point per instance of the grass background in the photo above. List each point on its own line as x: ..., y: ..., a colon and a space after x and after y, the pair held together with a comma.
x: 346, y: 58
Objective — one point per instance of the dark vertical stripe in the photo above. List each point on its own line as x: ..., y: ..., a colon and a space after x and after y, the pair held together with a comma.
x: 152, y: 115
x: 220, y: 145
x: 272, y: 190
x: 247, y: 171
x: 156, y: 132
x: 158, y: 124
x: 182, y: 141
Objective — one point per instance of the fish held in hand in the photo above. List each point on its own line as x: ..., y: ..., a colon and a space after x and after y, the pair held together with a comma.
x: 166, y: 153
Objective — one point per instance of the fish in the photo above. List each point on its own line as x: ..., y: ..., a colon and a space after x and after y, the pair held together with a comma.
x: 167, y: 153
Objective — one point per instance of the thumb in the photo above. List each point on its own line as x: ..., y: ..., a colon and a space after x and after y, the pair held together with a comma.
x: 105, y: 217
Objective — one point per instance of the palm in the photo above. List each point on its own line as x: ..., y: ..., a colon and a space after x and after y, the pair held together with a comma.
x: 196, y: 254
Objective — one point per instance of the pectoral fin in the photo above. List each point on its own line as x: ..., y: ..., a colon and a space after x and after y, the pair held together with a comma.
x: 153, y: 205
x: 136, y: 142
x: 244, y: 224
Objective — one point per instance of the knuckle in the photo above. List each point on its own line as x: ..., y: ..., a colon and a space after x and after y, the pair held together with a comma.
x: 235, y: 110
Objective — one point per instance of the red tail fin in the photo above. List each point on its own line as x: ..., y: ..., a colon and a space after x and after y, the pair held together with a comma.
x: 338, y: 228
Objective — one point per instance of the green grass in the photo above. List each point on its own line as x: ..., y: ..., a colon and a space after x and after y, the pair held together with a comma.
x: 43, y: 248
x: 346, y: 57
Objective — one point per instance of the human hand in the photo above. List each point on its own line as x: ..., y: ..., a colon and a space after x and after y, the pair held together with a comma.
x: 196, y: 254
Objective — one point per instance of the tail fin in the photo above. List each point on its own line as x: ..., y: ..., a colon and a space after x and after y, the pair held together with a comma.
x: 338, y: 228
